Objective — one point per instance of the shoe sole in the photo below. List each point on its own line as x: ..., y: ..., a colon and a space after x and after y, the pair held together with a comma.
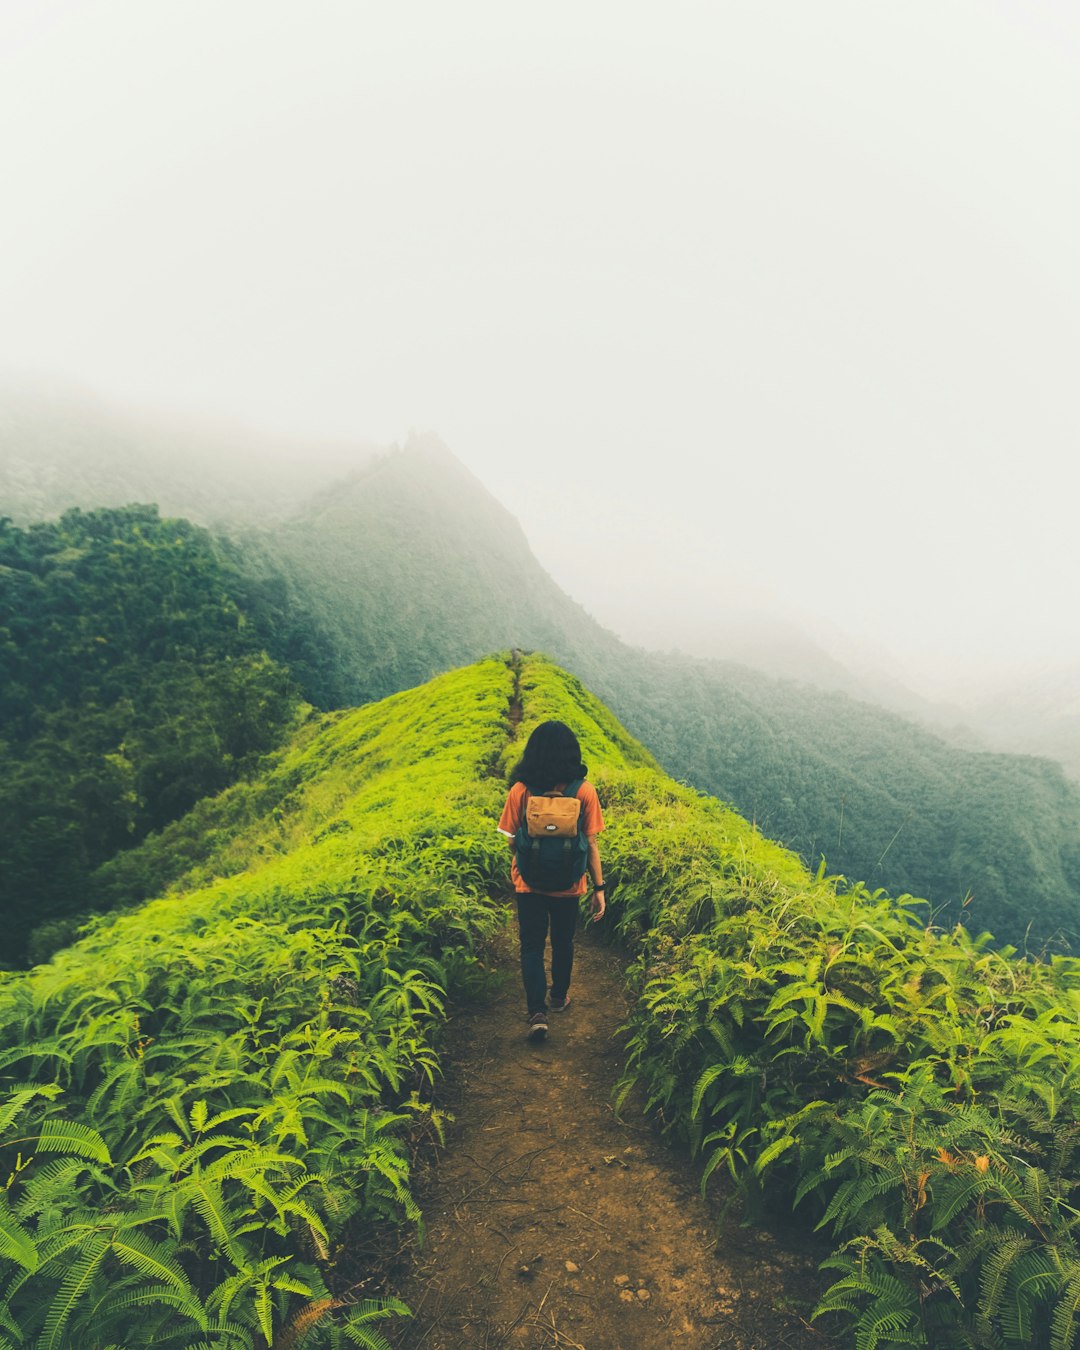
x: 537, y: 1034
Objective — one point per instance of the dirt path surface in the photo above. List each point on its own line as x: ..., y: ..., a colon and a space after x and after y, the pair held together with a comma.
x: 552, y: 1224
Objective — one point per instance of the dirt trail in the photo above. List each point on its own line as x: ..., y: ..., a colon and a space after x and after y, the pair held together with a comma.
x: 551, y: 1224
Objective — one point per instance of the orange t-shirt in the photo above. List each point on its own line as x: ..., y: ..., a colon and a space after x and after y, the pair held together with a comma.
x: 592, y: 822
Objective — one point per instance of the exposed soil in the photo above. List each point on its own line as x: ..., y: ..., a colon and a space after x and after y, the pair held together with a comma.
x: 552, y: 1224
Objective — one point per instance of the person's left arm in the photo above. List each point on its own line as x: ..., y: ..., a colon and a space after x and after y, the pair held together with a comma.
x: 596, y: 871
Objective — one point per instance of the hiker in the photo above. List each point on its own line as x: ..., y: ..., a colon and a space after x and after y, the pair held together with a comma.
x: 551, y: 818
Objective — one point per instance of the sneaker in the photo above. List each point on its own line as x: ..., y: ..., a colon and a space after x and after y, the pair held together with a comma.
x: 560, y: 1004
x: 538, y: 1027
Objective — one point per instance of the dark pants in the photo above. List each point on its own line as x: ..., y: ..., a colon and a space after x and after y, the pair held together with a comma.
x: 535, y: 912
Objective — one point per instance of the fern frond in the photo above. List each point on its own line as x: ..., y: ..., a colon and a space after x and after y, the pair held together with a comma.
x: 72, y: 1289
x: 997, y: 1270
x: 359, y: 1327
x: 1063, y: 1327
x: 71, y: 1136
x: 16, y: 1244
x: 155, y: 1261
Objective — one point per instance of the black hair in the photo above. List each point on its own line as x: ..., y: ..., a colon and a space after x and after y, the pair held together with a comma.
x: 552, y: 756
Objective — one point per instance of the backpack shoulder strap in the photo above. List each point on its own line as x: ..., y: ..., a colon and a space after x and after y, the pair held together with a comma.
x: 572, y: 789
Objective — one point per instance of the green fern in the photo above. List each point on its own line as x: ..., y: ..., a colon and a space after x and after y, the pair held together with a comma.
x: 359, y: 1327
x: 73, y: 1288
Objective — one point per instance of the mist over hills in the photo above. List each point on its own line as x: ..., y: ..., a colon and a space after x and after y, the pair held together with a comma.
x: 1039, y: 716
x: 404, y: 568
x: 407, y: 565
x: 62, y: 447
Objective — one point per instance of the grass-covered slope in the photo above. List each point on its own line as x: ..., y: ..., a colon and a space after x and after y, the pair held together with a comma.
x: 907, y: 1089
x: 202, y: 1122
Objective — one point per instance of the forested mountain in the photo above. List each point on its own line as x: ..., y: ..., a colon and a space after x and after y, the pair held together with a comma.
x: 413, y: 566
x: 993, y: 839
x: 409, y: 566
x: 131, y: 685
x: 402, y: 569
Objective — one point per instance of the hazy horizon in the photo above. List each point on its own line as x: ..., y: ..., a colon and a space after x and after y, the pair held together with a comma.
x: 736, y: 308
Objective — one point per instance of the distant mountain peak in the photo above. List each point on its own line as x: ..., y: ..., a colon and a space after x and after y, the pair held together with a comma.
x: 428, y: 445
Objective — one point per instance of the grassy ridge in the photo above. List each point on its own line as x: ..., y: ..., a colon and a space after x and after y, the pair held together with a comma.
x: 909, y: 1090
x: 219, y: 1079
x: 414, y: 567
x: 207, y: 1096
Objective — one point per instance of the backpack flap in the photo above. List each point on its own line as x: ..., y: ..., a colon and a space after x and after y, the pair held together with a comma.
x: 552, y: 817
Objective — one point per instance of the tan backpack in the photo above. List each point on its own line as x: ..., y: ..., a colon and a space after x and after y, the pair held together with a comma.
x: 552, y: 851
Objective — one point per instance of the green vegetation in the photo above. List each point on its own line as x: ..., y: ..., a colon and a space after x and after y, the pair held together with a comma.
x: 409, y: 567
x: 412, y: 567
x: 909, y: 1090
x: 204, y: 1138
x: 210, y: 1098
x: 990, y: 839
x: 131, y: 685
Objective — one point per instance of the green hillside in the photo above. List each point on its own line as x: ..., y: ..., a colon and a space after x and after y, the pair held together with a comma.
x: 380, y: 579
x: 204, y: 1127
x: 413, y: 567
x: 209, y: 1097
x: 991, y: 839
x: 131, y: 685
x: 397, y: 572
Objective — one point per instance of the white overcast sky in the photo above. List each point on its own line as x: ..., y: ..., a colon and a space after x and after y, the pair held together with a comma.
x: 732, y: 304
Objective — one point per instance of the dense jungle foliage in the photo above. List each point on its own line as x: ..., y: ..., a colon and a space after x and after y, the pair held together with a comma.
x: 131, y: 685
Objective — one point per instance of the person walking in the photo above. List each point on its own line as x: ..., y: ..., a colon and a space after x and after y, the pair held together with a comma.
x: 551, y: 803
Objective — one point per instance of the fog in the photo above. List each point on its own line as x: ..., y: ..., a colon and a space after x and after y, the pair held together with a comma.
x: 751, y: 313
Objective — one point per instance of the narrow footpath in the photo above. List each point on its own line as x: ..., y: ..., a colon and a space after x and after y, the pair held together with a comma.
x: 552, y: 1224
